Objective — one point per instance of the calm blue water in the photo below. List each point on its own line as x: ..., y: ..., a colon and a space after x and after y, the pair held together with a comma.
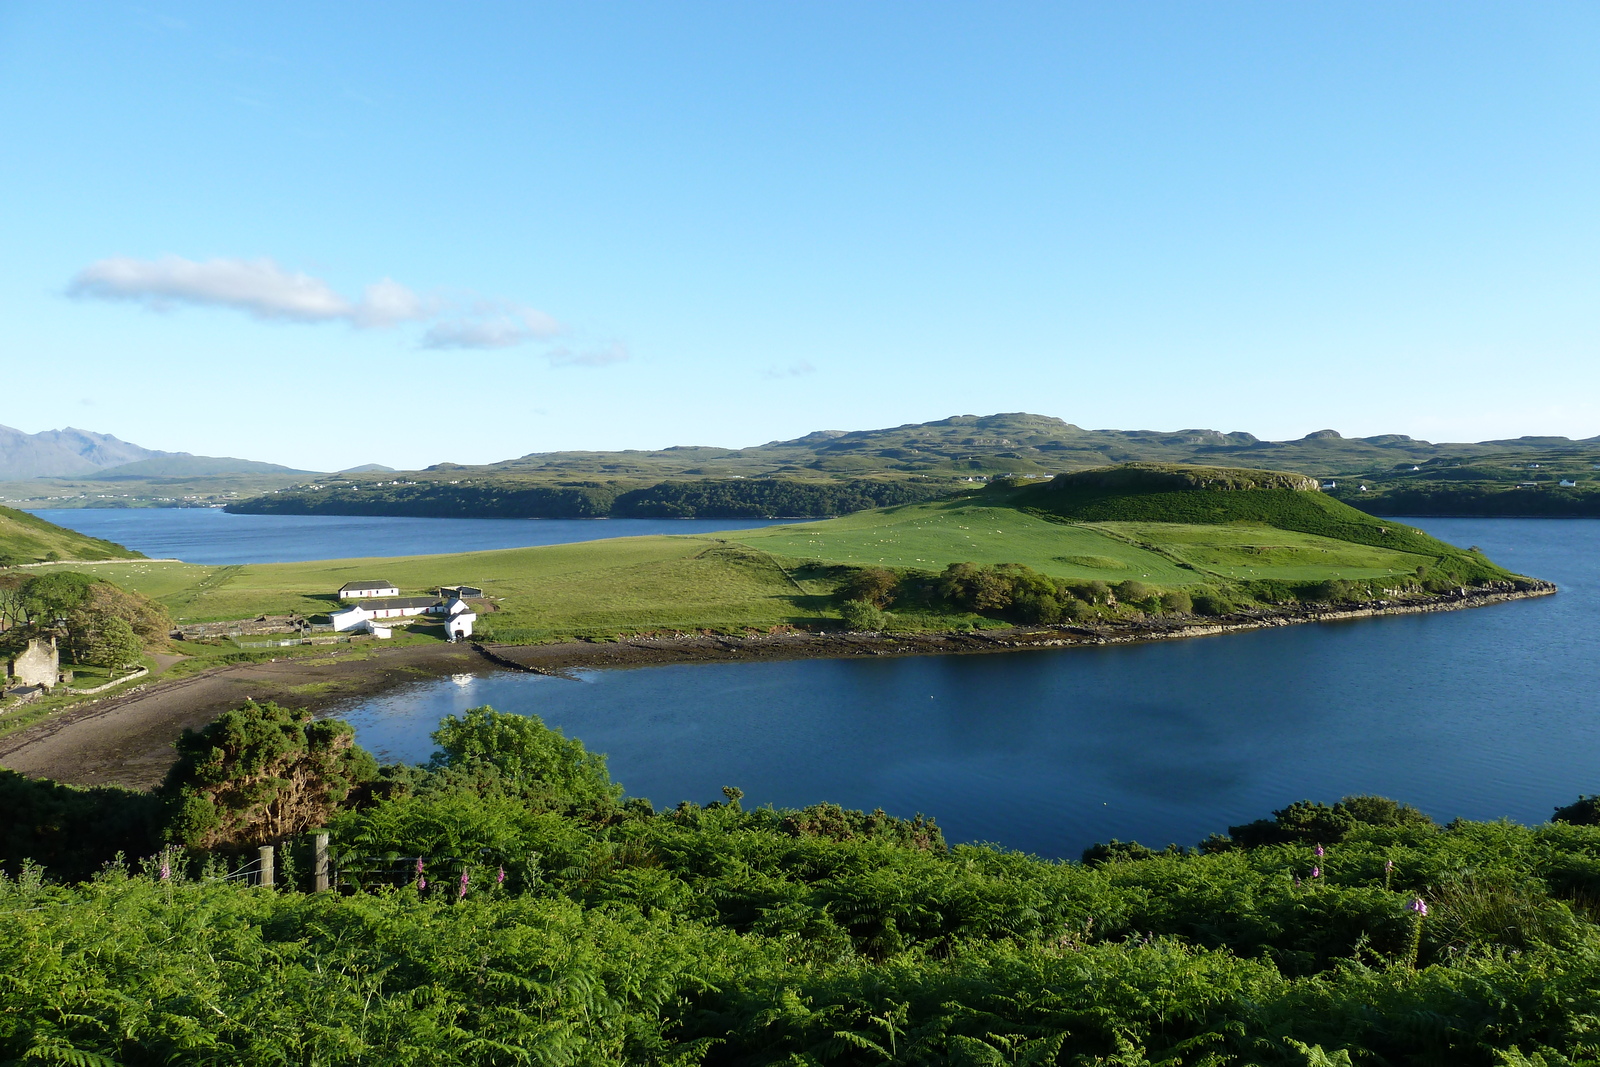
x: 1480, y: 714
x: 211, y: 535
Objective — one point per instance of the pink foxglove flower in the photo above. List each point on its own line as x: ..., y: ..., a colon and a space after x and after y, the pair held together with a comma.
x: 1320, y: 851
x: 500, y: 877
x: 462, y: 890
x: 1316, y: 872
x: 1420, y: 906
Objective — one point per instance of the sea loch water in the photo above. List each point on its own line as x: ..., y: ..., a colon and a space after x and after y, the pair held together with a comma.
x: 211, y: 535
x: 1480, y: 714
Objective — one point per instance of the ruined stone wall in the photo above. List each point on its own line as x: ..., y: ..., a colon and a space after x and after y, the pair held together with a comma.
x: 38, y: 664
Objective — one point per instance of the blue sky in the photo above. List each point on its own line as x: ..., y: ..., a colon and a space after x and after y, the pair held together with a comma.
x: 331, y: 234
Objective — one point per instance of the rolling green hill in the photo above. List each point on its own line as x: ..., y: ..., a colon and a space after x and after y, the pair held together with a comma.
x: 1168, y: 525
x: 26, y: 538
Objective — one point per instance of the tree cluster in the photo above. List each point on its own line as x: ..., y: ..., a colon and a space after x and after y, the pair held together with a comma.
x: 95, y: 622
x: 1005, y: 590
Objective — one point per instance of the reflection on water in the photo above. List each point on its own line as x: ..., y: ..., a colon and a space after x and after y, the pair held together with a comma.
x: 1480, y: 714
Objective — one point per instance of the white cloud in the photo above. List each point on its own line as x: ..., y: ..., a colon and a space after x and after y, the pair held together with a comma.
x: 491, y: 324
x: 794, y: 370
x: 258, y: 287
x: 615, y: 352
x: 264, y: 290
x: 388, y: 302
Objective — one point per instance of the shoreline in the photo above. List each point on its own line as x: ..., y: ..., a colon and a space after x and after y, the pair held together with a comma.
x: 127, y: 739
x: 648, y: 651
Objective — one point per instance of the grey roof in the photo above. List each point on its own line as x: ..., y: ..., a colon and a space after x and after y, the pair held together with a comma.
x: 376, y: 583
x: 398, y: 602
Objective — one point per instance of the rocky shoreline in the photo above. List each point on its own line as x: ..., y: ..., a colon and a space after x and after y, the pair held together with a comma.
x: 658, y: 649
x: 127, y: 739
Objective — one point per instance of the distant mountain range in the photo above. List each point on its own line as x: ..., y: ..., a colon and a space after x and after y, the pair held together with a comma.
x: 960, y: 446
x: 74, y: 453
x: 1017, y: 443
x: 831, y: 472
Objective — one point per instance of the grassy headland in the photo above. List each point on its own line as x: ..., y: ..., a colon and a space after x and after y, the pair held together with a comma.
x: 1215, y: 536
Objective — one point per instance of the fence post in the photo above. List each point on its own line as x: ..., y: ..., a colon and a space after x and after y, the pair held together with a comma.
x: 319, y: 862
x: 265, y: 854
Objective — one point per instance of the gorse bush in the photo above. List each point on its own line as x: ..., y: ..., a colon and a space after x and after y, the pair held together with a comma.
x: 863, y: 615
x: 1011, y: 591
x: 261, y: 773
x: 539, y: 917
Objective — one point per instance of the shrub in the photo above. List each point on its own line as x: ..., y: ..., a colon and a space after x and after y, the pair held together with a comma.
x: 1131, y: 592
x: 1308, y: 822
x: 1177, y: 602
x: 114, y: 645
x: 260, y: 773
x: 525, y: 753
x: 874, y: 585
x: 1114, y: 851
x: 1037, y: 608
x: 1212, y: 603
x: 1585, y: 811
x: 1075, y: 610
x: 976, y: 588
x: 1095, y: 592
x: 863, y: 616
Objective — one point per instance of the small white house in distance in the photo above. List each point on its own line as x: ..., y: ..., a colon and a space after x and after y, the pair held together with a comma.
x: 1568, y: 483
x: 459, y: 626
x: 396, y: 607
x: 370, y: 588
x: 1330, y: 484
x: 452, y: 607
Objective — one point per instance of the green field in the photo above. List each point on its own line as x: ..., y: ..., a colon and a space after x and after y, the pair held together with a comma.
x: 931, y: 536
x: 1248, y: 552
x: 625, y: 584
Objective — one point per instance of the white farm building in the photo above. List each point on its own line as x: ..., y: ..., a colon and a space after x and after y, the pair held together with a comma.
x: 368, y: 588
x: 362, y: 615
x: 397, y: 607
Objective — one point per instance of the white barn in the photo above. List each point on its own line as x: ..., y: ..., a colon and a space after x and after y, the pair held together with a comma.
x: 397, y: 607
x: 368, y: 588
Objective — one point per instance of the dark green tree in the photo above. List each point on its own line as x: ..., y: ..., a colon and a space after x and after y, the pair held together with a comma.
x: 261, y: 773
x: 524, y: 752
x: 113, y: 646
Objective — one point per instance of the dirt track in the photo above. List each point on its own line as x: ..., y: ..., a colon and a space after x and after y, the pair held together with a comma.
x: 127, y: 740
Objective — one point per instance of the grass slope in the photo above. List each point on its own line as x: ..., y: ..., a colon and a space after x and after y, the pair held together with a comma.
x: 1153, y: 497
x: 596, y: 587
x: 27, y: 538
x: 932, y: 536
